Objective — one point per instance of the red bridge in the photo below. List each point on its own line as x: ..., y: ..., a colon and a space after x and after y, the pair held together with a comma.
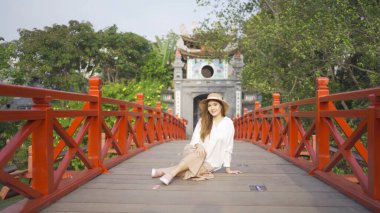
x: 105, y: 135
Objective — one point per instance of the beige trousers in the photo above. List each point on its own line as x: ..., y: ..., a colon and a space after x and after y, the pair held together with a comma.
x: 199, y: 169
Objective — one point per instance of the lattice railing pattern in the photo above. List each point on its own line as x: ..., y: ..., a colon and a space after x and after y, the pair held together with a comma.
x: 99, y: 138
x: 318, y: 133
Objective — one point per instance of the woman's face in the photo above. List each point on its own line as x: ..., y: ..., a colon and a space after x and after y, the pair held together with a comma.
x: 214, y: 108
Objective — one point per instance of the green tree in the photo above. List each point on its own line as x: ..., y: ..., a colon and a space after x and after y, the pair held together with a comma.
x: 158, y: 64
x: 287, y: 44
x: 57, y: 56
x: 8, y: 70
x: 87, y: 45
x: 121, y: 91
x: 63, y: 57
x: 122, y: 54
x: 4, y: 54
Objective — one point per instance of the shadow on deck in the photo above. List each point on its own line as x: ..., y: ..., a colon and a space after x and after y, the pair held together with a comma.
x: 129, y: 188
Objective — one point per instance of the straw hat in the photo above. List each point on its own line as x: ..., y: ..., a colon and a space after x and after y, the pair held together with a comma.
x: 216, y: 97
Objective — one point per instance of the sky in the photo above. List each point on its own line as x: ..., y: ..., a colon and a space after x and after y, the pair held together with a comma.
x: 147, y: 18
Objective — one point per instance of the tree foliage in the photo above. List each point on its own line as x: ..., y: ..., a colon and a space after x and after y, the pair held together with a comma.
x: 64, y: 56
x: 122, y: 54
x: 158, y: 64
x: 150, y: 87
x: 287, y: 44
x: 53, y: 57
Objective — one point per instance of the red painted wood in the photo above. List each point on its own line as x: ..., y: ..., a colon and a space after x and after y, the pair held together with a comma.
x: 49, y: 184
x: 95, y: 129
x: 280, y: 127
x: 42, y: 149
x: 275, y: 124
x: 321, y: 128
x: 139, y: 123
x: 374, y: 147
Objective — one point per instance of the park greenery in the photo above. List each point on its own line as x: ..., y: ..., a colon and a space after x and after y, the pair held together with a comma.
x: 287, y: 44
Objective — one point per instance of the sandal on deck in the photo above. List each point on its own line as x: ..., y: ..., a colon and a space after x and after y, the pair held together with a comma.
x: 157, y: 173
x: 166, y: 179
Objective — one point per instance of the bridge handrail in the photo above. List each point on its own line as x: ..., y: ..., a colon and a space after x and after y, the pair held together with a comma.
x: 9, y: 90
x: 322, y: 133
x: 352, y: 95
x: 134, y: 128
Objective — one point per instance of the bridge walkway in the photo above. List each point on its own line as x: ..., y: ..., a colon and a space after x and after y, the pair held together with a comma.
x: 129, y: 188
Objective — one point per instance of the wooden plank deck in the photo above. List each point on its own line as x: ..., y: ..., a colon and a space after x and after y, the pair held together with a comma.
x: 129, y: 187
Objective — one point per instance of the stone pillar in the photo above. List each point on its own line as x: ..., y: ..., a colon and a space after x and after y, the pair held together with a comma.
x: 178, y: 65
x: 237, y: 64
x: 178, y: 76
x: 238, y: 99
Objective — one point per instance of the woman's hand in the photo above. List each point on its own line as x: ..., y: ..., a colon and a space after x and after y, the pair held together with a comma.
x: 200, y: 150
x: 230, y: 171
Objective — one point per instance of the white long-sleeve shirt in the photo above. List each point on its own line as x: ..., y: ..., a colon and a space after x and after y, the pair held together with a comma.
x: 218, y: 144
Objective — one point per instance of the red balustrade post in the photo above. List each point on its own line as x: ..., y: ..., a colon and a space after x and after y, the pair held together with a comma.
x: 42, y: 149
x: 159, y: 124
x: 150, y: 127
x: 256, y: 124
x: 170, y: 123
x: 374, y: 147
x: 245, y: 123
x: 242, y: 126
x: 250, y: 126
x: 235, y: 127
x: 184, y: 128
x: 177, y: 127
x: 166, y: 126
x: 95, y: 129
x: 292, y: 131
x: 275, y: 120
x: 322, y: 130
x: 122, y: 132
x: 264, y: 130
x: 139, y: 123
x: 181, y: 125
x: 238, y: 126
x: 240, y: 119
x: 172, y: 127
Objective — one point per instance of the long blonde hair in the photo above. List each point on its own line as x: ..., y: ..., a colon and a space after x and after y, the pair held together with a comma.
x: 206, y: 122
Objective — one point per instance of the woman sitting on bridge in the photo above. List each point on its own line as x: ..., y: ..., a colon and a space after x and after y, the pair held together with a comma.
x: 211, y: 145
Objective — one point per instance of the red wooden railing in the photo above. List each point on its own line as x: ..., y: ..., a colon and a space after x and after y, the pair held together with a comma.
x: 305, y: 132
x: 135, y: 128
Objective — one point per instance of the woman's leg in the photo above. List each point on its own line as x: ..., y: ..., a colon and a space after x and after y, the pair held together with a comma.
x: 182, y: 166
x: 185, y: 164
x: 161, y: 171
x: 174, y: 170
